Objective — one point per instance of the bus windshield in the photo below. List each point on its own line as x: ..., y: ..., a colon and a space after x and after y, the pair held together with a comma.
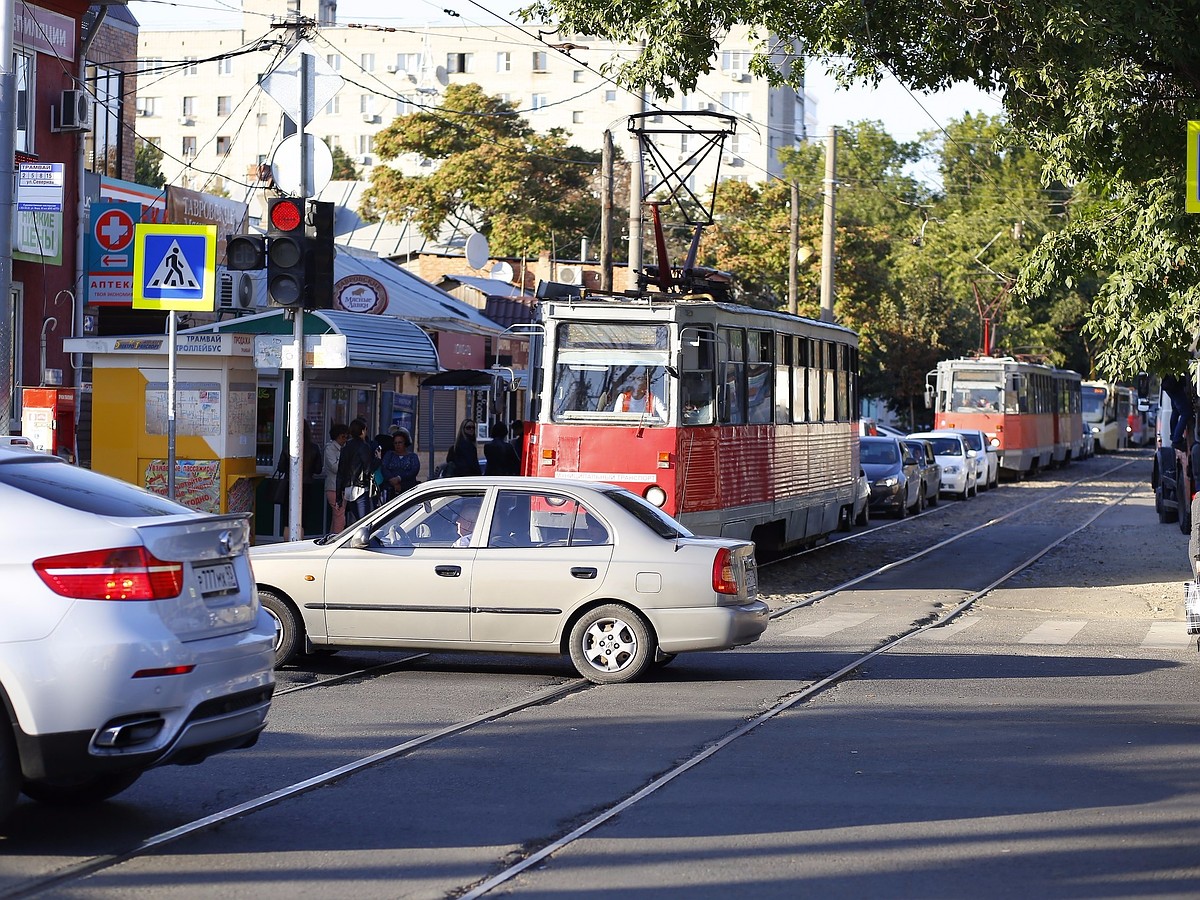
x: 1093, y: 402
x: 611, y: 371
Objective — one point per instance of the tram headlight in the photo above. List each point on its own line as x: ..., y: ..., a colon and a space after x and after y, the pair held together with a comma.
x: 656, y: 495
x: 995, y: 442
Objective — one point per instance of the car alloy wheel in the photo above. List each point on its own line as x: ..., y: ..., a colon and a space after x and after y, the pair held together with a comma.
x: 287, y: 626
x: 611, y: 644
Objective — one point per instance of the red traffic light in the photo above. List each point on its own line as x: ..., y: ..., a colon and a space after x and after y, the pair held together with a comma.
x: 287, y: 215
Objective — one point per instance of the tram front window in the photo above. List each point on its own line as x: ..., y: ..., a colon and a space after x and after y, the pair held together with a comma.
x: 978, y: 398
x: 619, y: 391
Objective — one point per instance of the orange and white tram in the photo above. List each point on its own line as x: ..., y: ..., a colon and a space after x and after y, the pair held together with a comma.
x: 737, y: 421
x: 1030, y: 412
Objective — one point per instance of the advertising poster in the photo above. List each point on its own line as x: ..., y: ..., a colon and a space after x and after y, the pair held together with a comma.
x: 197, y: 482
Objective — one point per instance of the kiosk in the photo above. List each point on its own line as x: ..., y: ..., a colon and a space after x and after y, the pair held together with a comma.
x: 215, y: 414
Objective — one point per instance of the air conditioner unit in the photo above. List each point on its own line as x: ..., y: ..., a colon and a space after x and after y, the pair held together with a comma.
x: 236, y: 290
x: 738, y: 76
x: 365, y: 159
x: 143, y: 112
x: 185, y: 120
x: 370, y: 118
x: 74, y: 112
x: 570, y: 275
x: 393, y: 69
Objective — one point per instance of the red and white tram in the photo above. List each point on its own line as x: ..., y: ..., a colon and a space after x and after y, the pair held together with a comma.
x: 1031, y: 413
x: 737, y: 421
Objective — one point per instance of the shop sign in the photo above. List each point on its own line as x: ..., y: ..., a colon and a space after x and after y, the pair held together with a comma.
x: 360, y: 294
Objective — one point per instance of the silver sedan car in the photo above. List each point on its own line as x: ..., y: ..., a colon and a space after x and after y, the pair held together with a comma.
x: 524, y: 565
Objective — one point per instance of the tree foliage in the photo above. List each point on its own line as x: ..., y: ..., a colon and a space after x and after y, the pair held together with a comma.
x: 344, y: 168
x: 488, y: 168
x: 147, y: 161
x: 1099, y: 90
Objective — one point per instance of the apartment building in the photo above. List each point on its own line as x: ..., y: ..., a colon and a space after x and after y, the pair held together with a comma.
x: 199, y: 97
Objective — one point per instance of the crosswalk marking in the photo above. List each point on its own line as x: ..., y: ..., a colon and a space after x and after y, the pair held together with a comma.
x: 831, y: 625
x: 1056, y: 631
x: 945, y: 632
x: 1167, y: 636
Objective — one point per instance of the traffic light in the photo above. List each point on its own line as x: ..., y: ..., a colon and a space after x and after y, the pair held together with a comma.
x: 287, y: 251
x: 320, y: 255
x: 245, y: 252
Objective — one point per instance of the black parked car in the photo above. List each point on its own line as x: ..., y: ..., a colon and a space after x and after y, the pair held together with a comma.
x: 894, y: 475
x: 931, y: 469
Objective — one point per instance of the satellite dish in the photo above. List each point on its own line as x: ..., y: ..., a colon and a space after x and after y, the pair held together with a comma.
x: 477, y: 250
x: 245, y: 293
x: 501, y: 271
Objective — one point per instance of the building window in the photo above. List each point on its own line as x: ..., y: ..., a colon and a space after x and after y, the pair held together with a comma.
x: 683, y: 143
x: 188, y: 108
x: 458, y: 63
x: 263, y: 120
x: 577, y: 76
x: 152, y: 65
x: 404, y: 107
x: 225, y: 66
x: 504, y: 62
x: 103, y: 144
x: 368, y: 62
x: 408, y: 62
x: 190, y: 66
x: 610, y: 96
x: 734, y: 62
x: 189, y: 148
x: 537, y: 101
x: 224, y: 106
x: 539, y: 60
x: 147, y: 106
x: 366, y: 143
x: 335, y: 61
x: 24, y: 76
x: 334, y: 106
x: 223, y: 146
x: 333, y: 141
x: 577, y: 117
x: 736, y: 102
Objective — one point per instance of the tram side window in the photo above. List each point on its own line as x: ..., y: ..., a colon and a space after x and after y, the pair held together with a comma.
x: 828, y: 382
x: 813, y: 413
x: 758, y: 376
x: 696, y: 377
x: 783, y: 378
x: 853, y: 376
x: 843, y: 382
x: 731, y: 352
x: 799, y: 378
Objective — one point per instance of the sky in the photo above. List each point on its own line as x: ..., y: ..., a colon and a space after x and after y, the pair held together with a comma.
x: 904, y: 116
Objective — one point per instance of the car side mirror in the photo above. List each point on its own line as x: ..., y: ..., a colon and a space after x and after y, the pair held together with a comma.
x: 361, y: 539
x: 971, y: 454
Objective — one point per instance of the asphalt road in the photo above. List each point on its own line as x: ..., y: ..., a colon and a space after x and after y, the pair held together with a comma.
x: 1041, y: 743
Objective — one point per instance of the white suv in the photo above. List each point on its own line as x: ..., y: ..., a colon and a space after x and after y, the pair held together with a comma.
x: 130, y: 633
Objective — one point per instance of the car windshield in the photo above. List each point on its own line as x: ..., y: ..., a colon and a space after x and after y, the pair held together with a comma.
x: 917, y: 449
x: 880, y: 452
x: 649, y: 514
x: 973, y: 441
x: 944, y: 446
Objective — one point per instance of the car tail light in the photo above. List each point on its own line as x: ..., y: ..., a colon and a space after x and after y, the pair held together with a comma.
x: 123, y: 573
x: 724, y: 576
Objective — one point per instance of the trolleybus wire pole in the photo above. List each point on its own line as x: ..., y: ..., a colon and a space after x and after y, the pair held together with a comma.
x: 827, y: 227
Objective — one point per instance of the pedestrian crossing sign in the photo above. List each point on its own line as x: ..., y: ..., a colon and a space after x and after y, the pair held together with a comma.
x: 175, y: 267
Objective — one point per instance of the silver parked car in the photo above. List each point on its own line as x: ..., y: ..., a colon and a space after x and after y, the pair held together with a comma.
x: 526, y: 565
x: 130, y: 636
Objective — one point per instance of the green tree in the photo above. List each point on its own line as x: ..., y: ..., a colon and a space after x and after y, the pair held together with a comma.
x: 344, y: 168
x: 147, y: 160
x: 1100, y: 91
x: 526, y: 191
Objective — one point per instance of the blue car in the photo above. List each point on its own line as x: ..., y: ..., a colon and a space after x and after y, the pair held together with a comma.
x: 894, y: 475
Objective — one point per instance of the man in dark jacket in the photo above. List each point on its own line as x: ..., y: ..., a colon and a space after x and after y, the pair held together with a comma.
x: 501, y: 457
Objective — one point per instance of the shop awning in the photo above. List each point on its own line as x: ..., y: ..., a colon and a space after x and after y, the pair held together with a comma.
x: 378, y: 342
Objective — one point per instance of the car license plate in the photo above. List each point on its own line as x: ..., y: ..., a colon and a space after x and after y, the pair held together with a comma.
x: 751, y: 580
x: 216, y: 579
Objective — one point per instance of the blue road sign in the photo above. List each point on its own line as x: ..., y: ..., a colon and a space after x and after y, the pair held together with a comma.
x: 175, y: 267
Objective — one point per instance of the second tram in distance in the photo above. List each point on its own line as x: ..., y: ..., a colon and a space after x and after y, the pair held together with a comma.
x: 1030, y: 412
x: 737, y: 421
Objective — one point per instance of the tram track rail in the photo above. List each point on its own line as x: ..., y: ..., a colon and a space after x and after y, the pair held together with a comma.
x: 78, y: 871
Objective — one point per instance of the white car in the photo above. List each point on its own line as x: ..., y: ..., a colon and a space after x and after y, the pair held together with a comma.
x: 130, y: 634
x: 987, y: 454
x: 524, y: 565
x: 960, y: 464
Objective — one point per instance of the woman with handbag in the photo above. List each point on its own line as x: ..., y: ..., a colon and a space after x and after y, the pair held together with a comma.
x: 356, y: 468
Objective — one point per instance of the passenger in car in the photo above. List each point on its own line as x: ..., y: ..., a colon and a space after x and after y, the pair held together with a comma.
x: 464, y: 524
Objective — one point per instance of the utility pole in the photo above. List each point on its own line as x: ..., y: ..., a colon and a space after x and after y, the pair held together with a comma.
x: 606, y: 211
x: 827, y: 229
x: 635, y: 205
x: 794, y: 251
x: 8, y: 126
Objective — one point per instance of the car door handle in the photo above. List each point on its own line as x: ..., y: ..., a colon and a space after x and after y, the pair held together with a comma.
x: 448, y: 571
x: 585, y: 572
